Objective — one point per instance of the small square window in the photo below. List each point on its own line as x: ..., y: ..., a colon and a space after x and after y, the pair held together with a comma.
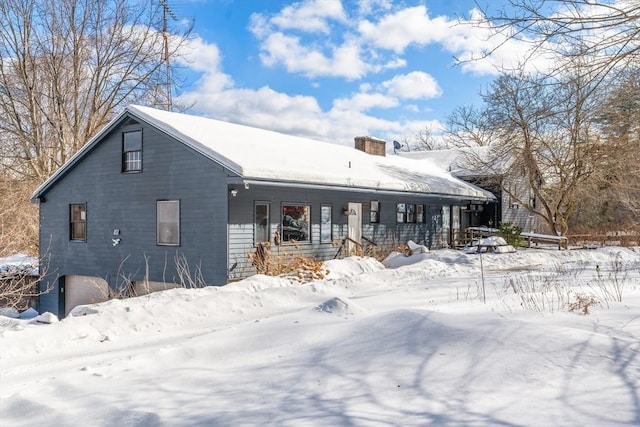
x: 78, y: 222
x: 132, y: 151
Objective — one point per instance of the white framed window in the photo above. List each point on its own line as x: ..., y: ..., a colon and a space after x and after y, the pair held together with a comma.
x: 132, y: 151
x: 168, y: 222
x: 326, y: 224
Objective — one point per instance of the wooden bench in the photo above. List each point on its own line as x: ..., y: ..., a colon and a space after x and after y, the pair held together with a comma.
x: 561, y: 241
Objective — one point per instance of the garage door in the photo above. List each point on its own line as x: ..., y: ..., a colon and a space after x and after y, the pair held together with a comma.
x: 81, y: 290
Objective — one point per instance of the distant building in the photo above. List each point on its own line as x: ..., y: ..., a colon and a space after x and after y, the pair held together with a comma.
x: 508, y: 186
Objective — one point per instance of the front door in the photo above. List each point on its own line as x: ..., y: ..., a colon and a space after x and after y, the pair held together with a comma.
x: 354, y: 232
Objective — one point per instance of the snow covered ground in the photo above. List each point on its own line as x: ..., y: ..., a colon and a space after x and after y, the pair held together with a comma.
x: 413, y: 344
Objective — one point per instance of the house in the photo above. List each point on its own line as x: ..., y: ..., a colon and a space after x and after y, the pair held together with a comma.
x: 475, y: 165
x: 158, y: 198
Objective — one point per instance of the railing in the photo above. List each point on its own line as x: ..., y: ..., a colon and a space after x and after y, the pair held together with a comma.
x: 611, y: 238
x: 360, y: 249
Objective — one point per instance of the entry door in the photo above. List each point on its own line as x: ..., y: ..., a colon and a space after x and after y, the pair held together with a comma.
x: 354, y: 231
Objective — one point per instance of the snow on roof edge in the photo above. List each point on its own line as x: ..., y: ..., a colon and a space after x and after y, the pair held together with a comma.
x: 458, y: 188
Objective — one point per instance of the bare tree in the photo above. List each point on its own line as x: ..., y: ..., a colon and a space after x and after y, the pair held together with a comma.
x: 66, y: 66
x: 541, y: 131
x: 605, y: 32
x: 424, y: 139
x: 467, y: 126
x: 19, y: 284
x: 570, y: 131
x: 613, y: 195
x: 18, y: 218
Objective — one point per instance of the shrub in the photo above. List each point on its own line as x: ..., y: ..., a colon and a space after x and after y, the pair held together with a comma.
x: 583, y: 303
x: 511, y: 233
x: 287, y: 264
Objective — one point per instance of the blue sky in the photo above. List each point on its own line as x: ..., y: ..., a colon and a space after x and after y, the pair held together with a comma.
x: 331, y: 69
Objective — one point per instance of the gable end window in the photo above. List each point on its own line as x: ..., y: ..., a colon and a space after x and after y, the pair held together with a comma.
x: 168, y: 222
x: 132, y: 151
x: 78, y: 222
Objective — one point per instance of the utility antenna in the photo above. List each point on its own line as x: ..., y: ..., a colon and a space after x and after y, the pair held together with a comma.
x: 166, y: 10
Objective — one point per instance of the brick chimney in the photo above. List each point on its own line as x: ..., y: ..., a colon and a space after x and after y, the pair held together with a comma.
x: 370, y: 145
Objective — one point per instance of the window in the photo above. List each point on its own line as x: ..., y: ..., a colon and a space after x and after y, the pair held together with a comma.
x: 168, y: 222
x: 295, y: 223
x: 411, y: 212
x: 406, y: 212
x: 132, y: 151
x: 374, y: 212
x: 420, y: 214
x: 261, y: 223
x: 401, y: 213
x: 78, y: 222
x: 326, y: 224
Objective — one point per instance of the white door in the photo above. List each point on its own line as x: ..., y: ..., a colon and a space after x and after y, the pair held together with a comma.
x: 354, y: 232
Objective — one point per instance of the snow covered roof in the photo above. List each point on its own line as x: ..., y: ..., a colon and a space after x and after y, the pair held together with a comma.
x: 461, y: 162
x: 266, y: 156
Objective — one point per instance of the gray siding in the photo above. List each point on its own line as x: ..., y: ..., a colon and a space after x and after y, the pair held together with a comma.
x: 388, y: 234
x: 127, y: 202
x: 513, y: 209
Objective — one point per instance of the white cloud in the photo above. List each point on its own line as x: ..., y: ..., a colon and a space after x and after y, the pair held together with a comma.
x: 366, y: 7
x: 396, y: 31
x: 482, y: 50
x: 331, y: 44
x: 466, y: 40
x: 364, y: 101
x: 315, y: 38
x: 353, y: 47
x: 309, y: 15
x: 415, y: 85
x: 216, y: 95
x: 341, y: 61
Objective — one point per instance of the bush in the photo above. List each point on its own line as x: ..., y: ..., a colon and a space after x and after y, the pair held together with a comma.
x: 287, y: 264
x: 511, y: 233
